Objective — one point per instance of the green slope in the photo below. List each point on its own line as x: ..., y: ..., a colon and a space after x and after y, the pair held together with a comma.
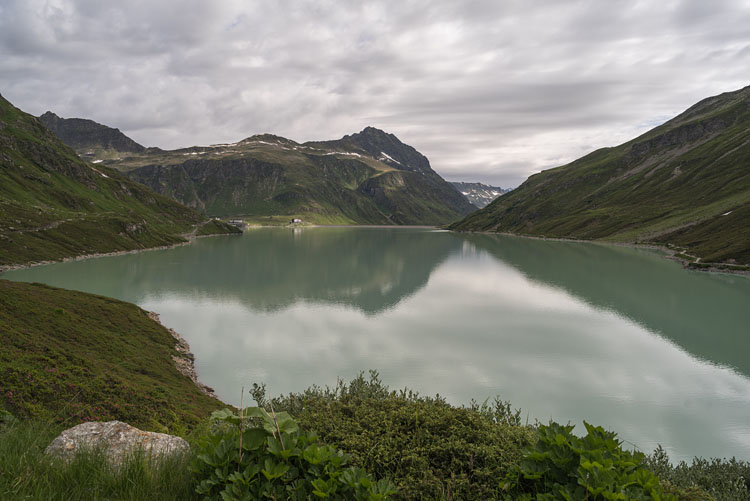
x: 685, y: 183
x: 53, y: 205
x: 366, y: 178
x: 70, y: 357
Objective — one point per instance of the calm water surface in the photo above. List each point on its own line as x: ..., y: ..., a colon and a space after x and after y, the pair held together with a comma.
x: 620, y: 337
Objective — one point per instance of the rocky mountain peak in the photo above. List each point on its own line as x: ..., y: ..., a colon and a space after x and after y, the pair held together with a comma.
x: 389, y: 149
x: 80, y: 133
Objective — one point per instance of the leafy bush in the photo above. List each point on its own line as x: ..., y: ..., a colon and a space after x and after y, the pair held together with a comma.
x: 257, y: 455
x: 6, y: 418
x: 727, y: 480
x: 427, y: 447
x: 563, y: 466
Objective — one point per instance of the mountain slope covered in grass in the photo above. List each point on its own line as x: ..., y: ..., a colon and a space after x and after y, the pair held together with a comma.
x: 53, y: 205
x: 367, y: 178
x: 685, y: 184
x: 69, y: 357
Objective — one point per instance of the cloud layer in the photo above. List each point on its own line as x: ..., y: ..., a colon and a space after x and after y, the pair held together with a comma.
x: 489, y: 91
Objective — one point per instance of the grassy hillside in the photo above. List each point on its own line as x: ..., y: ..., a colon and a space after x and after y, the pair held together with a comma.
x: 70, y: 357
x: 684, y: 183
x: 53, y: 205
x: 365, y: 178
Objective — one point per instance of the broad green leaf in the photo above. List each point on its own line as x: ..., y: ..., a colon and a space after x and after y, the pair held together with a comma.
x: 253, y: 439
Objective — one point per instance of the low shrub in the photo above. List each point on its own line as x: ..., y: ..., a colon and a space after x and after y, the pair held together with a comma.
x: 595, y: 467
x: 427, y: 447
x: 721, y: 479
x: 257, y: 455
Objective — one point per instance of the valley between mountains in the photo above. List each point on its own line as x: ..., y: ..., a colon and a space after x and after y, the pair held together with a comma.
x: 280, y: 298
x: 370, y: 177
x: 684, y: 185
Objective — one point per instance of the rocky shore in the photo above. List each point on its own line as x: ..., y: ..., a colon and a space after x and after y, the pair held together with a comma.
x: 185, y: 360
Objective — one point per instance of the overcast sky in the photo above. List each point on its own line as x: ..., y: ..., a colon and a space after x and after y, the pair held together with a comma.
x: 490, y: 91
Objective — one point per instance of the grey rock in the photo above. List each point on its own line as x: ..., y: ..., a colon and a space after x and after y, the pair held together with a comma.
x: 117, y: 439
x: 185, y: 360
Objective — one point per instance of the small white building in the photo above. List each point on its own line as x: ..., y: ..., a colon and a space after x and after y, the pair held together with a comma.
x: 295, y: 220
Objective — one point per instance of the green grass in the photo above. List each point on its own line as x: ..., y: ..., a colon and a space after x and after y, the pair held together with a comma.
x: 27, y: 473
x: 214, y: 227
x: 69, y: 357
x: 54, y: 206
x: 430, y: 449
x: 684, y: 183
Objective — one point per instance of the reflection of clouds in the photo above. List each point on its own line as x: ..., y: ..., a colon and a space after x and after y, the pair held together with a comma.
x: 479, y: 329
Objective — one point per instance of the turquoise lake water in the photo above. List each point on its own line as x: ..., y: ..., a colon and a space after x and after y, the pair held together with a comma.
x: 617, y: 336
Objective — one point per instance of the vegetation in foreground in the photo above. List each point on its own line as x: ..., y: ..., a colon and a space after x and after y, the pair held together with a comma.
x: 428, y: 448
x: 69, y: 357
x: 564, y: 466
x: 26, y: 472
x: 256, y: 454
x: 460, y: 465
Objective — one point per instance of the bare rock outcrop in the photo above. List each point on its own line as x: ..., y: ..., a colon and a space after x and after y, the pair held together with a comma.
x: 117, y: 439
x: 185, y: 360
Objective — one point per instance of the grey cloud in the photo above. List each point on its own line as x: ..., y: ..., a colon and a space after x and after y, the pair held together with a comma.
x: 493, y: 91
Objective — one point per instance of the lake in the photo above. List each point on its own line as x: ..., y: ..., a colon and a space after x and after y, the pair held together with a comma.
x: 620, y: 337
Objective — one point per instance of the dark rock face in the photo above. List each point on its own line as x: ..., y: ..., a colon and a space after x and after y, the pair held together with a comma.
x: 79, y: 133
x: 681, y: 136
x: 390, y: 149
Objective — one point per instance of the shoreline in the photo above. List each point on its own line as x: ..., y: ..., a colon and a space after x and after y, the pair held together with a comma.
x: 185, y: 361
x: 669, y: 253
x: 382, y: 226
x: 379, y: 226
x: 81, y: 257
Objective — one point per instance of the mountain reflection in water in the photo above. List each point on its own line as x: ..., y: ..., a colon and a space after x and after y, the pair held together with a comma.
x: 620, y: 337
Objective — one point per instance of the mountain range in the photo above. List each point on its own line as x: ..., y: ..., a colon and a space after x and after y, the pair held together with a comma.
x: 479, y: 194
x: 684, y: 184
x: 370, y: 177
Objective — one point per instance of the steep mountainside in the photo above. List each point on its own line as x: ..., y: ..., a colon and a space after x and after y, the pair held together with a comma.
x: 92, y: 140
x: 53, y: 205
x: 479, y: 194
x: 685, y: 183
x: 367, y: 178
